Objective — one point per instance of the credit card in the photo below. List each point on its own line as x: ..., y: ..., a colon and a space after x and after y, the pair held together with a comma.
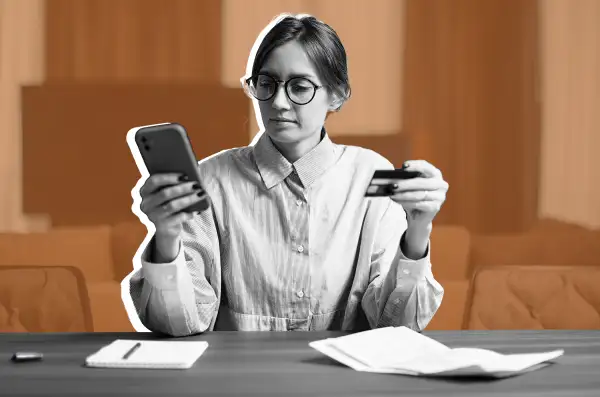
x: 382, y: 181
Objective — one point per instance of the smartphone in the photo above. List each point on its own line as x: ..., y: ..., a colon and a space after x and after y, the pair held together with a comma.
x: 383, y: 180
x: 166, y: 148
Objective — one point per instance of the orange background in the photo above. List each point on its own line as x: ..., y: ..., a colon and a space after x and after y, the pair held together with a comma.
x: 501, y: 95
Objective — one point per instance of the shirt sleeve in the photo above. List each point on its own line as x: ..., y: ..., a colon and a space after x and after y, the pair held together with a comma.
x: 401, y: 291
x: 177, y: 298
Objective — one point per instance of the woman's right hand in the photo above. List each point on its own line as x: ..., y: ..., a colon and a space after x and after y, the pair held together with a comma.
x: 164, y: 196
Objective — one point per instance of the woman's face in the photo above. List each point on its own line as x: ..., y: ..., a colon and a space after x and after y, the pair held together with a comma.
x: 304, y: 121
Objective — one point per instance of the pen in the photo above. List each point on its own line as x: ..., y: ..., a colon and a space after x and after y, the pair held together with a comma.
x: 132, y: 350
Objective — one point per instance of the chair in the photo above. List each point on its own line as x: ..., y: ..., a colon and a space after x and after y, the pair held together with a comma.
x: 44, y: 299
x: 534, y: 297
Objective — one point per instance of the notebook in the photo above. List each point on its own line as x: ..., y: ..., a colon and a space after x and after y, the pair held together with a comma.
x: 400, y: 350
x: 150, y: 354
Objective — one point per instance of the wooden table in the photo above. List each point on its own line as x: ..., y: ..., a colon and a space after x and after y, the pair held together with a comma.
x: 282, y: 364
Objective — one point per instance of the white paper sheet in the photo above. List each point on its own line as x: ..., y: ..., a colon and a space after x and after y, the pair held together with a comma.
x: 400, y: 350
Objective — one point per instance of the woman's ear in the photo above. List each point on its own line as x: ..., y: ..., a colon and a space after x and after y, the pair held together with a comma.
x: 335, y: 103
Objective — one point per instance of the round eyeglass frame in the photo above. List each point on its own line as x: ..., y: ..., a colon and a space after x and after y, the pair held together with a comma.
x: 286, y: 85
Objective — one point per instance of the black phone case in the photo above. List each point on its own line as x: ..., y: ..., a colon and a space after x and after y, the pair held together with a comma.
x: 167, y: 148
x: 382, y: 180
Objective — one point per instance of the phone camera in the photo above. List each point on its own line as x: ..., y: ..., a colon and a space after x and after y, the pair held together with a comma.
x: 147, y: 147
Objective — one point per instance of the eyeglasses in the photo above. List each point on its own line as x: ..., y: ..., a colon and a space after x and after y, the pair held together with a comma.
x: 299, y: 90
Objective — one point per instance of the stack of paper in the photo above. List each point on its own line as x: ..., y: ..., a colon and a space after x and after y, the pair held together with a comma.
x: 400, y: 350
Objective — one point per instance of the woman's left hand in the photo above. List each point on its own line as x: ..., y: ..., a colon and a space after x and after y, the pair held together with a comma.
x: 421, y: 197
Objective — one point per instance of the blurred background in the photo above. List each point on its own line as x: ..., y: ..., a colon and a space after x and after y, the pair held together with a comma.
x: 502, y: 95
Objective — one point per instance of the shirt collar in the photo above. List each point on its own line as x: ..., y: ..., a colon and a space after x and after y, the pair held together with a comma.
x: 274, y: 167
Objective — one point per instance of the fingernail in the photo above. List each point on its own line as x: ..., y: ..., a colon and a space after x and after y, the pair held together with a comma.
x: 183, y: 178
x: 196, y: 186
x: 405, y: 165
x: 200, y: 194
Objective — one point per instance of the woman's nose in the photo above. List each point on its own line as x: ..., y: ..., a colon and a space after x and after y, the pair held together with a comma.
x: 280, y: 100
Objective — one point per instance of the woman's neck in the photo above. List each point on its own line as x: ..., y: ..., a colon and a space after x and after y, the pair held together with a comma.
x: 293, y: 151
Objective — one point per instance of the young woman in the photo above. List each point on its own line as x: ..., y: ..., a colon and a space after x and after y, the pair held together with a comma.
x: 290, y: 242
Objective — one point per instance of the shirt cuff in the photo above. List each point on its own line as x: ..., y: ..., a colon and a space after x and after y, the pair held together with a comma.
x: 411, y: 268
x: 163, y: 276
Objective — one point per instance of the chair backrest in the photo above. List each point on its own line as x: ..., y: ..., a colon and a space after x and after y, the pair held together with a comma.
x: 44, y: 299
x: 542, y: 248
x: 86, y: 247
x: 534, y: 297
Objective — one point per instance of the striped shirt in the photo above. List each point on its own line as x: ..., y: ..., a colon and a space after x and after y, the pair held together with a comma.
x: 288, y: 247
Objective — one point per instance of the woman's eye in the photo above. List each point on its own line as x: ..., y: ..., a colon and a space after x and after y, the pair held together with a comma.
x: 300, y: 88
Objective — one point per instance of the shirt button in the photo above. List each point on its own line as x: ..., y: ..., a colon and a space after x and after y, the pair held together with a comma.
x: 405, y: 271
x: 298, y: 203
x: 300, y: 248
x: 170, y: 277
x: 300, y: 294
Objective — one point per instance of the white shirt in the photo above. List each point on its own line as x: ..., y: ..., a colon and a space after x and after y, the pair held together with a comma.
x: 289, y: 247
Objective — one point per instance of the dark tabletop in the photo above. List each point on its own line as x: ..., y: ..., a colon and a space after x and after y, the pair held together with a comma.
x: 282, y: 364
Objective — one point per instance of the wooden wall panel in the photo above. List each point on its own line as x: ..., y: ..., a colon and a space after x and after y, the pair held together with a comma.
x: 570, y: 188
x: 21, y: 62
x: 77, y: 164
x: 133, y: 40
x: 470, y: 106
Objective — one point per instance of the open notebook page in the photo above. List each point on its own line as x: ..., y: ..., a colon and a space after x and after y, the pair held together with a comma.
x: 151, y: 354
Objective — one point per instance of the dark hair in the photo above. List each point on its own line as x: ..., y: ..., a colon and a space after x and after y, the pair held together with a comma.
x: 322, y: 45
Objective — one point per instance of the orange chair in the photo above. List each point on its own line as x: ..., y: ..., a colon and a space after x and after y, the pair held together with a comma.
x: 44, y: 299
x: 534, y: 297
